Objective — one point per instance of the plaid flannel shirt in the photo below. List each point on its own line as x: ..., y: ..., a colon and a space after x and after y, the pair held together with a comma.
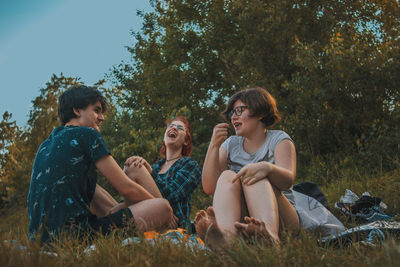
x: 177, y: 185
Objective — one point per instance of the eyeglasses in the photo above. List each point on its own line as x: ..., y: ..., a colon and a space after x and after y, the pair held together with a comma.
x: 179, y: 127
x: 238, y: 111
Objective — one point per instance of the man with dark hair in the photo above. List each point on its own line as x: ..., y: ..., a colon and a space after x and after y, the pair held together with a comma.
x: 78, y: 97
x: 64, y: 195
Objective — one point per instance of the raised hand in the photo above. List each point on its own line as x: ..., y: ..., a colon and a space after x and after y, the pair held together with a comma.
x: 220, y: 133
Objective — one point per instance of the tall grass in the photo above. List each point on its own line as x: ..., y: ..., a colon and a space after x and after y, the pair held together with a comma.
x: 110, y: 252
x: 304, y: 250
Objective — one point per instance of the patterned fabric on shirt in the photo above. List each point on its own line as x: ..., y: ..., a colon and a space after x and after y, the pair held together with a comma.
x: 64, y: 180
x: 178, y: 184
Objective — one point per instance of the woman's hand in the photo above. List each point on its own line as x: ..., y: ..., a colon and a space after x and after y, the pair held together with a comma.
x: 138, y: 161
x: 220, y: 133
x: 253, y: 172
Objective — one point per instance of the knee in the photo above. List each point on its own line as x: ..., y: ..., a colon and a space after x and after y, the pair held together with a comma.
x: 133, y: 171
x: 226, y: 179
x: 151, y: 214
x: 226, y: 176
x: 163, y: 206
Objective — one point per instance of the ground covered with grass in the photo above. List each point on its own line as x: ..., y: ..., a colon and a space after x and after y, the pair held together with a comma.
x: 302, y: 251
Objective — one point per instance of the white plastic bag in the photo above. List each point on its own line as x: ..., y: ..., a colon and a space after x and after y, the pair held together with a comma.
x: 315, y: 217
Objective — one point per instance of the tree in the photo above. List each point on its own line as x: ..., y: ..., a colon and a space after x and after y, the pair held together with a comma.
x: 8, y: 133
x: 332, y: 65
x: 19, y: 153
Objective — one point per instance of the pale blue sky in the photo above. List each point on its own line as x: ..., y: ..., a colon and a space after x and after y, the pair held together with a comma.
x: 80, y: 38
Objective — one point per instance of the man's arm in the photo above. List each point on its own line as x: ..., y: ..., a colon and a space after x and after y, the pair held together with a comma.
x: 102, y: 202
x: 132, y: 192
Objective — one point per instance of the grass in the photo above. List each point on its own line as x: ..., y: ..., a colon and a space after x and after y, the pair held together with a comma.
x: 294, y: 252
x: 302, y: 251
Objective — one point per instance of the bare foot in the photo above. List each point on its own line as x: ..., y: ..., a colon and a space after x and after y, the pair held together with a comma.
x: 207, y: 228
x: 253, y: 228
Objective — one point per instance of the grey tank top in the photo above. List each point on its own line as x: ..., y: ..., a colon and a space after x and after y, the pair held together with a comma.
x: 238, y: 157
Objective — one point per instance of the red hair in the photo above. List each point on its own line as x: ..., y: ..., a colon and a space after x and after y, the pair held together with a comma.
x: 186, y: 149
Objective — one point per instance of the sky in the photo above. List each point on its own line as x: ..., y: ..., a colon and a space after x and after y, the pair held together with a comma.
x: 79, y: 38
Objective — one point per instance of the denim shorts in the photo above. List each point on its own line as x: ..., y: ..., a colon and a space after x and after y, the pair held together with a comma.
x: 290, y: 197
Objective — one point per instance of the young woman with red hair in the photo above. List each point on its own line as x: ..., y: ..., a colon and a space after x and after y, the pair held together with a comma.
x: 176, y: 175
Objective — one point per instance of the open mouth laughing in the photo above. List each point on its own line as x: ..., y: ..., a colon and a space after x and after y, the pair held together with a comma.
x: 172, y: 133
x: 237, y: 124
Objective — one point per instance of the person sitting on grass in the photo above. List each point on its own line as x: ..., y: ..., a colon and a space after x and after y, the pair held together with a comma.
x: 249, y: 174
x: 176, y: 175
x: 64, y: 195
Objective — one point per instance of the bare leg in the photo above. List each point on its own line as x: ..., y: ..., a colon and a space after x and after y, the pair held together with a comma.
x: 227, y: 204
x: 151, y: 214
x: 102, y: 202
x: 262, y: 205
x: 252, y: 228
x: 216, y: 225
x: 141, y: 176
x: 267, y: 204
x: 208, y: 230
x: 255, y: 229
x: 287, y: 213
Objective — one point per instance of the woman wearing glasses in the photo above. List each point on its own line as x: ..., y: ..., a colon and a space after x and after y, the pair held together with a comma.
x: 249, y: 174
x: 175, y: 176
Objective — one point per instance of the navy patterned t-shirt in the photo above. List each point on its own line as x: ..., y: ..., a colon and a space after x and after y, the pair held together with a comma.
x: 64, y: 180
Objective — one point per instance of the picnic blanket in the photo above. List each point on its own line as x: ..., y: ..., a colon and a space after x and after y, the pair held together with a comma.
x: 368, y: 234
x: 177, y: 236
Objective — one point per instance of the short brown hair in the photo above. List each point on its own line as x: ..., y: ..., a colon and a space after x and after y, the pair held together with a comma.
x: 78, y: 97
x: 260, y: 102
x: 186, y: 149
